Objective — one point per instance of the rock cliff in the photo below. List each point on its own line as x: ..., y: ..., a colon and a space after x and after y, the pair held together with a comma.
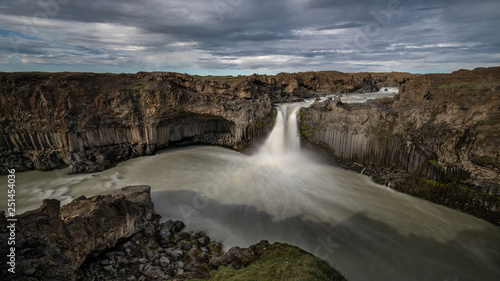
x: 438, y: 139
x: 90, y: 121
x: 53, y: 241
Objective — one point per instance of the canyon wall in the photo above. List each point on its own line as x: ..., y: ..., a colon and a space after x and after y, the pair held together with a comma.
x: 90, y: 121
x: 438, y: 139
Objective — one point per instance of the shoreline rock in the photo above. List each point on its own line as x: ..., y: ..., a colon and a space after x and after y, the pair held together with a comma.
x: 53, y: 241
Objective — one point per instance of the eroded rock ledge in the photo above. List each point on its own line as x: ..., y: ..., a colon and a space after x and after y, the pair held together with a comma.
x: 439, y: 139
x: 118, y: 237
x: 53, y: 241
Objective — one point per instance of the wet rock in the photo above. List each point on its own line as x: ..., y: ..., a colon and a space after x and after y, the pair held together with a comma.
x: 215, y: 262
x: 178, y: 226
x: 204, y: 240
x: 203, y: 257
x: 165, y: 235
x: 164, y: 261
x: 236, y: 258
x: 186, y: 246
x: 172, y: 254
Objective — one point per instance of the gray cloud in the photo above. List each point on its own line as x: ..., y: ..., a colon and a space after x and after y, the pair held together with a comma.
x: 242, y: 37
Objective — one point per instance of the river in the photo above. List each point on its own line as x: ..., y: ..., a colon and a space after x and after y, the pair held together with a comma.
x: 282, y: 193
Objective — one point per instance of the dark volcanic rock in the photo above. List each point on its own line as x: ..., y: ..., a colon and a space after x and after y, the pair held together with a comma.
x: 90, y: 121
x: 145, y: 257
x: 439, y: 139
x: 53, y: 241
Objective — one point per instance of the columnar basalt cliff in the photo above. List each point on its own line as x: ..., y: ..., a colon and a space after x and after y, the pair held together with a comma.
x: 438, y: 139
x: 90, y: 121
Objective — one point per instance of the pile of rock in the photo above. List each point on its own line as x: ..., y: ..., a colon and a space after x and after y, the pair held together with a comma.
x: 161, y: 251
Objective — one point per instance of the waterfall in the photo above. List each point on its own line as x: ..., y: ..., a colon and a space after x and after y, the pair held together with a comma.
x: 284, y: 137
x: 284, y: 140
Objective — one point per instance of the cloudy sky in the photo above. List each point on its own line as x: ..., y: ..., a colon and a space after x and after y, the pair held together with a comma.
x: 214, y: 37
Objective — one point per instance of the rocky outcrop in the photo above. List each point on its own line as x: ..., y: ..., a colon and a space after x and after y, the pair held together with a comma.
x: 162, y: 251
x: 118, y: 237
x: 53, y: 241
x: 289, y: 87
x: 91, y: 121
x: 278, y: 261
x: 438, y: 139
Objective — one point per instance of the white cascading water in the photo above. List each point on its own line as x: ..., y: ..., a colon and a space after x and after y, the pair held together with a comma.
x: 365, y: 230
x: 284, y: 141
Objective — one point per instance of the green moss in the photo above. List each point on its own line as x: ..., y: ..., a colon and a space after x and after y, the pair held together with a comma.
x: 383, y: 132
x: 281, y: 262
x: 136, y: 89
x: 452, y: 185
x: 267, y: 122
x: 486, y: 161
x: 220, y: 78
x: 462, y: 85
x: 435, y: 163
x: 308, y: 131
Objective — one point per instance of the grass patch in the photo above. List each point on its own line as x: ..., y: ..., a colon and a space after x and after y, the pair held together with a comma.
x: 280, y: 262
x: 136, y: 89
x: 462, y: 85
x: 220, y: 78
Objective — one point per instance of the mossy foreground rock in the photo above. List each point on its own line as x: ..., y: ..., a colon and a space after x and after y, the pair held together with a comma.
x: 278, y: 261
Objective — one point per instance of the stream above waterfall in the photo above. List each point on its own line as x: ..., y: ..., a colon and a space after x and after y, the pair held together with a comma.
x: 281, y: 193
